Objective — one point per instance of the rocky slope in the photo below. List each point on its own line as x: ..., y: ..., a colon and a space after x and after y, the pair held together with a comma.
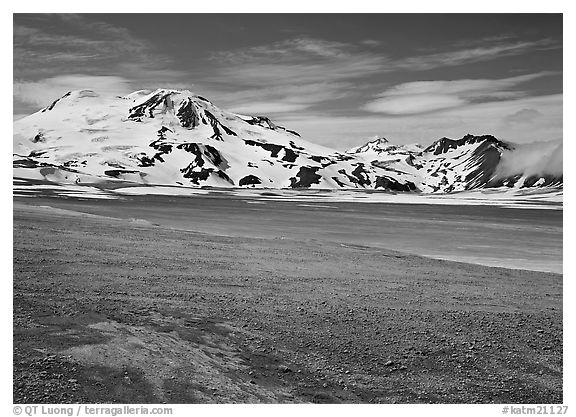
x: 173, y: 137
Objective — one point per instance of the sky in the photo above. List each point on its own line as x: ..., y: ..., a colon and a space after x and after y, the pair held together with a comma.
x: 337, y: 79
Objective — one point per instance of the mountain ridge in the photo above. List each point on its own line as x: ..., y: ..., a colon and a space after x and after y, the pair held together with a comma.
x: 174, y: 137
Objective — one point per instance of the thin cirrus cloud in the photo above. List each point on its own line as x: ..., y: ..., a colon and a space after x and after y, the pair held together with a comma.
x: 304, y: 48
x: 337, y: 70
x: 497, y: 48
x: 310, y: 60
x: 288, y: 76
x: 295, y: 61
x: 92, y: 47
x: 268, y: 107
x: 428, y: 96
x: 285, y: 98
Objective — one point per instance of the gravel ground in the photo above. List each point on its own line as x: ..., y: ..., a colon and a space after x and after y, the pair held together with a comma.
x: 119, y: 311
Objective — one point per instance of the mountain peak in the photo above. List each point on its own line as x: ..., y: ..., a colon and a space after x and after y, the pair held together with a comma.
x: 445, y: 144
x: 373, y: 144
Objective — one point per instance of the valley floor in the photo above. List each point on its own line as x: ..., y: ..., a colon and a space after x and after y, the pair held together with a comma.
x: 120, y: 310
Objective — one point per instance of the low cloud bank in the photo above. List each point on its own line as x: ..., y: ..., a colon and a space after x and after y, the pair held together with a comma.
x: 536, y: 158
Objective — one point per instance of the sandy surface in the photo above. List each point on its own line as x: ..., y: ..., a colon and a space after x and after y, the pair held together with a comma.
x: 120, y: 310
x: 487, y: 235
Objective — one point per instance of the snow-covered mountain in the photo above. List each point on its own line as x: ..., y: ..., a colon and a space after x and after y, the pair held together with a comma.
x: 174, y: 137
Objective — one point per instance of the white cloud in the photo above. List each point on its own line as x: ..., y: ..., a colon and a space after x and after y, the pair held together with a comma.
x: 481, y: 118
x: 414, y: 103
x: 533, y: 159
x: 266, y: 107
x: 523, y: 116
x: 290, y: 93
x: 42, y: 92
x: 371, y: 42
x: 319, y: 47
x: 426, y: 96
